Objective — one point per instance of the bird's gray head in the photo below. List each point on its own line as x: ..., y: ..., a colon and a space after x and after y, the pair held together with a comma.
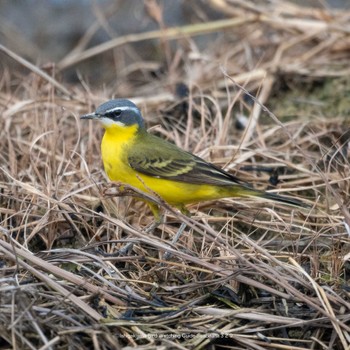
x: 117, y: 112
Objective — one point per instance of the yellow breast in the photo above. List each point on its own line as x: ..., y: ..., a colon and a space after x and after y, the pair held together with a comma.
x: 114, y: 148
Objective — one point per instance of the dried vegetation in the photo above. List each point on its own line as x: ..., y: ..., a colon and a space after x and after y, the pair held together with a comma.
x: 245, y: 274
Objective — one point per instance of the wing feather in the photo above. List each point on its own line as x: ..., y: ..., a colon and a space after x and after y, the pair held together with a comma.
x: 168, y: 161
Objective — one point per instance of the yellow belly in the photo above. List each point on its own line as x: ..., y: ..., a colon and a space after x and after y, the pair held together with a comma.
x: 114, y: 156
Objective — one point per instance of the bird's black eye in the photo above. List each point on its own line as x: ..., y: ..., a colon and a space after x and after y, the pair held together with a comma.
x: 115, y: 114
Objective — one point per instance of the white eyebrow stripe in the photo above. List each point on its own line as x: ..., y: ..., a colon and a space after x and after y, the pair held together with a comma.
x: 123, y: 108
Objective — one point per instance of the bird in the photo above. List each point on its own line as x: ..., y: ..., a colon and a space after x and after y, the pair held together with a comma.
x: 133, y: 156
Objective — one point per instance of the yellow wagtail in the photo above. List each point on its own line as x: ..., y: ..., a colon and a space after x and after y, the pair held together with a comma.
x: 133, y: 156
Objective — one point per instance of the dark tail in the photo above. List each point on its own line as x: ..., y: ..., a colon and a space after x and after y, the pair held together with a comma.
x: 250, y: 192
x: 286, y: 200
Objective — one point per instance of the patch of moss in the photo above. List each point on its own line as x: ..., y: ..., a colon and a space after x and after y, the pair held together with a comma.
x: 329, y: 97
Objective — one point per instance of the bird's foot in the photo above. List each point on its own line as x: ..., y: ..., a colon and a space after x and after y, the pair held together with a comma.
x: 125, y: 251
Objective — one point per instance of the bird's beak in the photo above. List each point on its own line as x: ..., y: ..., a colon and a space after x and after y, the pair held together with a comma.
x: 90, y: 116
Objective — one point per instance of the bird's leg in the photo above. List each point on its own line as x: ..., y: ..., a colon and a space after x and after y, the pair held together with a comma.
x: 179, y: 232
x: 167, y: 255
x: 158, y: 217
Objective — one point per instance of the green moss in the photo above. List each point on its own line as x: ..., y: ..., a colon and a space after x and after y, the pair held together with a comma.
x: 329, y: 97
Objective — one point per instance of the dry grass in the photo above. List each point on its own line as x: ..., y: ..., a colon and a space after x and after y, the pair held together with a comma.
x: 245, y: 274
